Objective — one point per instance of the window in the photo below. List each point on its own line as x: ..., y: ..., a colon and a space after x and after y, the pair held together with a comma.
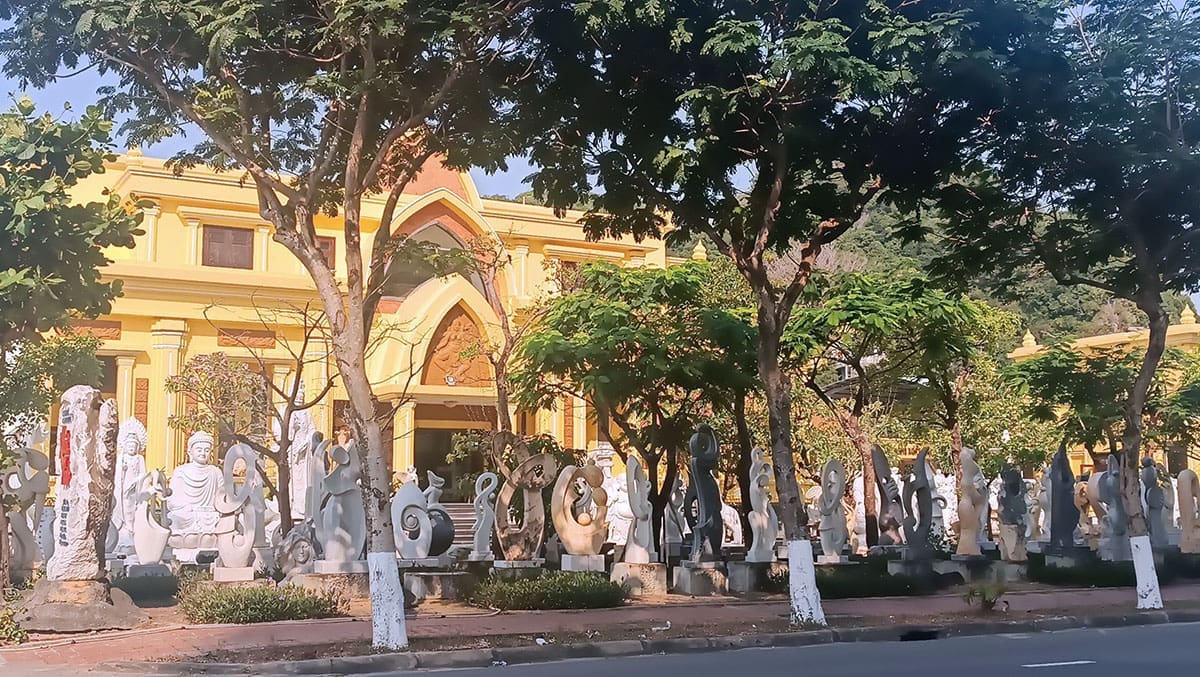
x: 228, y: 247
x: 328, y: 247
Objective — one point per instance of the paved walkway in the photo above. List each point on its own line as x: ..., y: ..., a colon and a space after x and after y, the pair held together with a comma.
x: 88, y: 651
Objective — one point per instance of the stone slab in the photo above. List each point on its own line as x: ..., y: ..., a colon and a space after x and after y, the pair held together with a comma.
x: 348, y: 586
x: 747, y: 577
x: 358, y: 566
x: 147, y: 571
x: 701, y: 580
x: 583, y: 563
x: 641, y: 580
x: 441, y: 562
x: 449, y: 585
x: 518, y: 563
x: 78, y: 606
x: 832, y: 560
x: 232, y: 574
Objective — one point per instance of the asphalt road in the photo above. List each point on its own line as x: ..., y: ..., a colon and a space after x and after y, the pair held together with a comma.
x: 1119, y: 652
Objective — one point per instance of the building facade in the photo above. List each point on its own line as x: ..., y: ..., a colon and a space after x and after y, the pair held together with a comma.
x: 206, y: 277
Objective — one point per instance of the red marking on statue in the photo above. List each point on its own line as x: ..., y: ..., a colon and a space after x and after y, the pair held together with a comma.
x: 64, y: 456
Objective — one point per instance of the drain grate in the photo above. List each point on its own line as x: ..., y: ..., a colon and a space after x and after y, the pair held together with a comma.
x: 920, y: 634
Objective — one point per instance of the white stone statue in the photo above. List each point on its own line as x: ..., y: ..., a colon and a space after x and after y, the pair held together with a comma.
x: 988, y: 523
x: 733, y: 526
x: 812, y: 504
x: 302, y: 428
x: 949, y: 492
x: 860, y: 515
x: 674, y: 523
x: 241, y: 516
x: 191, y: 504
x: 131, y: 468
x: 343, y: 531
x: 970, y: 505
x: 88, y: 429
x: 833, y: 520
x: 1188, y: 503
x: 485, y: 515
x: 24, y: 485
x: 433, y: 491
x: 620, y: 516
x: 149, y: 533
x: 764, y: 523
x: 639, y: 545
x: 410, y: 521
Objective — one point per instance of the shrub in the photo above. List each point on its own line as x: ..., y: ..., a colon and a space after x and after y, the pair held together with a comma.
x: 556, y: 590
x: 256, y: 604
x: 986, y: 595
x: 10, y: 632
x: 867, y: 579
x: 1094, y: 574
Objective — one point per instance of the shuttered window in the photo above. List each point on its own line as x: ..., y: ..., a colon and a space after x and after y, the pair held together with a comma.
x: 228, y: 247
x: 328, y: 247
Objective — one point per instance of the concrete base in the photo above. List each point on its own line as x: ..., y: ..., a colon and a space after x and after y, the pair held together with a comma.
x: 348, y: 586
x: 974, y: 569
x: 480, y: 558
x: 78, y: 606
x: 1068, y: 558
x: 701, y: 580
x: 641, y: 580
x: 515, y: 570
x: 232, y: 574
x: 325, y: 567
x: 583, y: 563
x: 781, y: 551
x: 1035, y: 546
x: 147, y: 570
x: 442, y: 562
x: 746, y: 577
x: 448, y: 585
x: 832, y: 560
x: 1116, y: 549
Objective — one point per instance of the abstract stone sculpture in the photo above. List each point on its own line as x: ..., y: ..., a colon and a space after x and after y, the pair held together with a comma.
x: 1064, y: 516
x: 410, y: 521
x: 1188, y: 501
x: 703, y: 500
x: 919, y: 518
x: 673, y: 521
x: 1114, y: 543
x: 442, y: 534
x: 343, y: 522
x: 1012, y: 516
x: 639, y: 545
x: 970, y: 505
x: 24, y: 485
x: 1155, y: 500
x: 764, y: 523
x: 150, y: 535
x: 891, y: 514
x: 948, y: 490
x: 580, y: 531
x: 833, y: 517
x: 522, y: 541
x: 240, y: 516
x: 485, y: 515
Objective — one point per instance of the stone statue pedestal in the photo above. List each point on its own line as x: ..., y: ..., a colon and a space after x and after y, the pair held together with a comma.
x: 1068, y: 558
x: 518, y: 569
x: 641, y: 580
x: 1115, y: 549
x: 747, y: 577
x: 701, y: 579
x: 78, y: 606
x: 327, y: 567
x: 441, y: 562
x: 832, y: 560
x: 147, y: 571
x: 232, y: 574
x: 477, y: 557
x: 583, y: 563
x: 447, y: 585
x: 349, y: 586
x: 1036, y: 547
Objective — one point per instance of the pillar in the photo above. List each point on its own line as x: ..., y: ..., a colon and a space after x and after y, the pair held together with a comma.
x: 316, y: 375
x: 521, y: 272
x: 404, y: 424
x: 149, y: 244
x: 125, y: 386
x: 581, y: 425
x: 262, y: 245
x: 166, y: 448
x: 194, y: 244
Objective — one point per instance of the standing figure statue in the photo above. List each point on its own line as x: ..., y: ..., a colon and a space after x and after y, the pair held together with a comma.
x: 764, y: 523
x: 1064, y: 516
x: 1039, y: 507
x: 918, y: 522
x: 579, y: 530
x: 891, y: 514
x: 1154, y: 498
x: 639, y: 545
x: 299, y: 455
x: 1012, y: 516
x: 1114, y: 545
x: 131, y: 467
x: 833, y: 517
x: 343, y: 521
x: 703, y: 499
x: 970, y: 505
x: 1188, y: 501
x: 1087, y: 532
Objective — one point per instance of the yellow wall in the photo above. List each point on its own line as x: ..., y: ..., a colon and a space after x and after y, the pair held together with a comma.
x: 173, y: 306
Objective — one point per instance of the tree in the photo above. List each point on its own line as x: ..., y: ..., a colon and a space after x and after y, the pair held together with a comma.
x: 51, y: 252
x: 320, y: 105
x: 1099, y: 190
x: 763, y: 125
x: 640, y: 345
x: 877, y: 331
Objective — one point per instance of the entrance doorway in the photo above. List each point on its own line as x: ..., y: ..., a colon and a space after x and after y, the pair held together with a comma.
x: 430, y: 448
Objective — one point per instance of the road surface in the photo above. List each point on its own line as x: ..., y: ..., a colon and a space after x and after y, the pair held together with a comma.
x: 1119, y: 652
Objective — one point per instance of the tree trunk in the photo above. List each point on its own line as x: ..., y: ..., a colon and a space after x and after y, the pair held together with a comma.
x: 853, y: 426
x: 1148, y: 594
x: 745, y: 446
x: 804, y: 596
x: 5, y: 555
x: 956, y: 447
x: 283, y: 490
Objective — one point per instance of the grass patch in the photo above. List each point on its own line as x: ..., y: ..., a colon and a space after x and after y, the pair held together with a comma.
x: 255, y: 604
x: 555, y: 590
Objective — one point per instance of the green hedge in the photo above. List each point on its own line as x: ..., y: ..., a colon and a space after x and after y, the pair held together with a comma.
x: 255, y: 604
x: 555, y: 590
x: 10, y: 632
x: 867, y: 579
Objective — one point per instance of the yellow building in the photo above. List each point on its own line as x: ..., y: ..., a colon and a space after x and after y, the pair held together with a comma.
x: 207, y: 265
x: 1184, y: 335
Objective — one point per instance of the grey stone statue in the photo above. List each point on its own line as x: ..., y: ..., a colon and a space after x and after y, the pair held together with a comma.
x: 891, y: 513
x: 919, y: 520
x: 1155, y: 503
x: 1064, y: 515
x: 1012, y: 497
x: 703, y: 499
x: 1110, y: 494
x: 833, y: 515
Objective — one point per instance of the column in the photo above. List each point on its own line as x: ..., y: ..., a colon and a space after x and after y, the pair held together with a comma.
x: 316, y: 375
x: 166, y: 445
x: 581, y: 427
x: 125, y: 386
x: 280, y: 377
x: 149, y: 246
x: 404, y: 426
x: 262, y: 245
x: 521, y: 272
x: 194, y: 244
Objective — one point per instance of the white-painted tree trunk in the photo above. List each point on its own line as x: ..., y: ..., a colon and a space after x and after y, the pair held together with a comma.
x: 802, y: 584
x: 1148, y: 594
x: 388, y: 629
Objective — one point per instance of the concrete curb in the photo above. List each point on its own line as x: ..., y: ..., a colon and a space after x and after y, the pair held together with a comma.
x: 478, y: 658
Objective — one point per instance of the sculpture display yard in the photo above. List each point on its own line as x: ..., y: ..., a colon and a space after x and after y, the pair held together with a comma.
x: 75, y: 595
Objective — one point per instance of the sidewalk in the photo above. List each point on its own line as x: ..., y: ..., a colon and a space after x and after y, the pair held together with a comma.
x: 180, y: 641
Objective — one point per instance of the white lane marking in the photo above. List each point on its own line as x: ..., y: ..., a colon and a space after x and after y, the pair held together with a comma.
x: 1058, y: 665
